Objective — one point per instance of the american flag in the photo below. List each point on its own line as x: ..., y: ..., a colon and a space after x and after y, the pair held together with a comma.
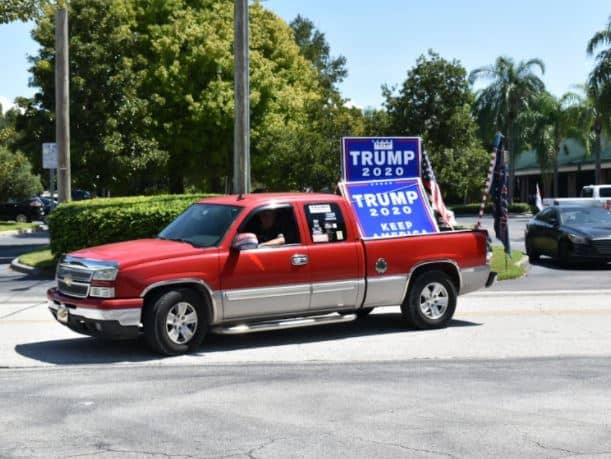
x: 432, y: 187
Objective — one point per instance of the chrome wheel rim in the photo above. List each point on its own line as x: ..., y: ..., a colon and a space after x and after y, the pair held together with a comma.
x: 181, y: 323
x: 434, y: 300
x: 21, y: 218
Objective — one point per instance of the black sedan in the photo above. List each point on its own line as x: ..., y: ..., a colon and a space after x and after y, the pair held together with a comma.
x: 22, y: 211
x: 570, y: 233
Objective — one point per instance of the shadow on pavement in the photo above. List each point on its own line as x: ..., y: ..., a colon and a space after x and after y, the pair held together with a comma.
x: 79, y: 351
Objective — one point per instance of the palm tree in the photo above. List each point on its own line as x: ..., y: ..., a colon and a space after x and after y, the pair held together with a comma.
x: 550, y: 121
x: 599, y: 88
x: 513, y: 88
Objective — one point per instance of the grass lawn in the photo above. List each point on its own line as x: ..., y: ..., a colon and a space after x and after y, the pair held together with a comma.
x: 40, y: 258
x: 507, y: 269
x: 7, y: 226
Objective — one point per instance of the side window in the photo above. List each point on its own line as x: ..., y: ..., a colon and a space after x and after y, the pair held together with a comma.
x: 545, y: 215
x: 273, y: 226
x: 587, y: 192
x: 605, y: 192
x: 325, y: 222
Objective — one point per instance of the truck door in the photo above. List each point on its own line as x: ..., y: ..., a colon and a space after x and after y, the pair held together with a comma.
x: 268, y: 280
x: 336, y: 261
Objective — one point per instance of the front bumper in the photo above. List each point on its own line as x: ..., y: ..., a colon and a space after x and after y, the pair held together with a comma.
x: 108, y: 318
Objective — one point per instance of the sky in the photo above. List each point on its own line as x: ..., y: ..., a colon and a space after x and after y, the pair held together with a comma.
x: 382, y: 39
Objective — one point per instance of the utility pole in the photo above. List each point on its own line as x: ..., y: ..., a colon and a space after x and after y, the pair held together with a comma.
x: 241, y: 130
x: 62, y: 108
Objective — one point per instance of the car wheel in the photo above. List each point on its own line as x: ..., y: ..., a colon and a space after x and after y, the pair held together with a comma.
x: 21, y: 218
x: 431, y: 301
x: 175, y: 322
x: 563, y: 254
x: 533, y: 256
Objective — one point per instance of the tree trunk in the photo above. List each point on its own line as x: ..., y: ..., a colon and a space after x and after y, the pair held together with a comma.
x: 597, y: 150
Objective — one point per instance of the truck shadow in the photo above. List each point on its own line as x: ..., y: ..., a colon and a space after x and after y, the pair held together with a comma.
x: 83, y: 351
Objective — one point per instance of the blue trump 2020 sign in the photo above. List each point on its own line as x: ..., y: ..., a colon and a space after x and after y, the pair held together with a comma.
x: 380, y: 158
x: 390, y: 208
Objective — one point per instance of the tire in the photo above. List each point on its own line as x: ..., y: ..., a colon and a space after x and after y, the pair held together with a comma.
x: 175, y: 322
x: 21, y: 218
x: 563, y: 254
x: 533, y: 256
x: 363, y: 312
x: 430, y: 301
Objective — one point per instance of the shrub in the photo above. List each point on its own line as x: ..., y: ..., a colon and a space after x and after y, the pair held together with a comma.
x: 92, y: 222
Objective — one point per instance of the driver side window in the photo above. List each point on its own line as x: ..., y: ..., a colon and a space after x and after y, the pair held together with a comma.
x: 273, y: 226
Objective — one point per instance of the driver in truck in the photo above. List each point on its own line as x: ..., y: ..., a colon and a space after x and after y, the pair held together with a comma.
x: 269, y: 233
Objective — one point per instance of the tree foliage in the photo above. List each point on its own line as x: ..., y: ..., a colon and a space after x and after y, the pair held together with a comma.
x: 435, y: 102
x: 16, y: 178
x: 19, y: 10
x: 152, y: 93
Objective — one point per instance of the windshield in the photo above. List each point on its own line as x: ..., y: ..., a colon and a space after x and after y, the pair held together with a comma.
x: 202, y: 225
x: 591, y: 216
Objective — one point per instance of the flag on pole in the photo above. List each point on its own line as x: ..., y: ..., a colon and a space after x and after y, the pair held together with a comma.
x: 538, y: 200
x: 499, y: 193
x: 432, y: 188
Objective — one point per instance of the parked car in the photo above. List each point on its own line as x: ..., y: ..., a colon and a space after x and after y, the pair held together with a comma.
x: 235, y: 264
x: 79, y: 195
x: 570, y: 233
x: 27, y: 210
x: 591, y: 195
x: 48, y: 204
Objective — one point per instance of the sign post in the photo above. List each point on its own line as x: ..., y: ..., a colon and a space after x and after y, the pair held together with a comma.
x: 49, y: 161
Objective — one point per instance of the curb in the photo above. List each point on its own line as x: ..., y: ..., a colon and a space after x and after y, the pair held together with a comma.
x: 19, y: 267
x: 36, y: 229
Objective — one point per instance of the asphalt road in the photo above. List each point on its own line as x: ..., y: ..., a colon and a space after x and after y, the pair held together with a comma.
x: 522, y: 371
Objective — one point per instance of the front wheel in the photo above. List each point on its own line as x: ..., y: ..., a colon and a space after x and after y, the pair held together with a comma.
x: 21, y: 218
x: 563, y: 254
x: 533, y: 256
x: 176, y: 322
x: 431, y: 301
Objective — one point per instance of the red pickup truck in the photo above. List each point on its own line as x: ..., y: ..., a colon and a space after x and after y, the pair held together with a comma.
x: 222, y: 267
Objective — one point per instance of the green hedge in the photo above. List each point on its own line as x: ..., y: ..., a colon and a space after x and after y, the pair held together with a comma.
x: 92, y: 222
x: 473, y: 209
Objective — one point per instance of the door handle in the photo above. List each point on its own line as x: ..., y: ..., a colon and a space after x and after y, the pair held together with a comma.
x: 299, y: 260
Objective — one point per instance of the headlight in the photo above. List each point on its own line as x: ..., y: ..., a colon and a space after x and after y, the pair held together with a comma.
x: 102, y: 292
x: 105, y: 274
x: 576, y: 239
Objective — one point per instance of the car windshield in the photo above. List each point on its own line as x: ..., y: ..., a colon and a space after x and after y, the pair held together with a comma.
x: 591, y: 216
x: 202, y: 225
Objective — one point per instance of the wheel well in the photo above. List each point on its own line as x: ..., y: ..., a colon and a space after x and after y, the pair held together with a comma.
x: 152, y: 295
x: 450, y: 269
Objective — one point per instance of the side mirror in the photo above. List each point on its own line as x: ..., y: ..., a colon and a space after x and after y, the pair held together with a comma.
x: 245, y: 241
x: 553, y: 222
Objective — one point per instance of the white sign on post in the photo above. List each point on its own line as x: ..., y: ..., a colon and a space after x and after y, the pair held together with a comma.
x: 49, y: 156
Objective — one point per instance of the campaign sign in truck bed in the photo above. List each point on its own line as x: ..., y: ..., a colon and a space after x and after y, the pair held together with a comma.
x: 390, y: 208
x: 380, y: 158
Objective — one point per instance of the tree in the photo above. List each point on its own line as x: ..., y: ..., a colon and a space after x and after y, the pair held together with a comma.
x: 599, y: 89
x: 497, y: 107
x: 16, y: 178
x: 435, y: 102
x: 152, y: 93
x: 315, y: 48
x: 19, y: 10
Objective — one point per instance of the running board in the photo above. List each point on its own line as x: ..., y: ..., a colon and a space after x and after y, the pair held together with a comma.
x: 283, y: 324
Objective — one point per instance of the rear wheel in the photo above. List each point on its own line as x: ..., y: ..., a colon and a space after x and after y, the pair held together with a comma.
x: 363, y: 312
x: 21, y: 218
x: 175, y: 322
x: 431, y: 301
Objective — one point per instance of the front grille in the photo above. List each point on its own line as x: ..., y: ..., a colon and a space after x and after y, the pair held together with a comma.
x: 73, y: 280
x: 603, y: 246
